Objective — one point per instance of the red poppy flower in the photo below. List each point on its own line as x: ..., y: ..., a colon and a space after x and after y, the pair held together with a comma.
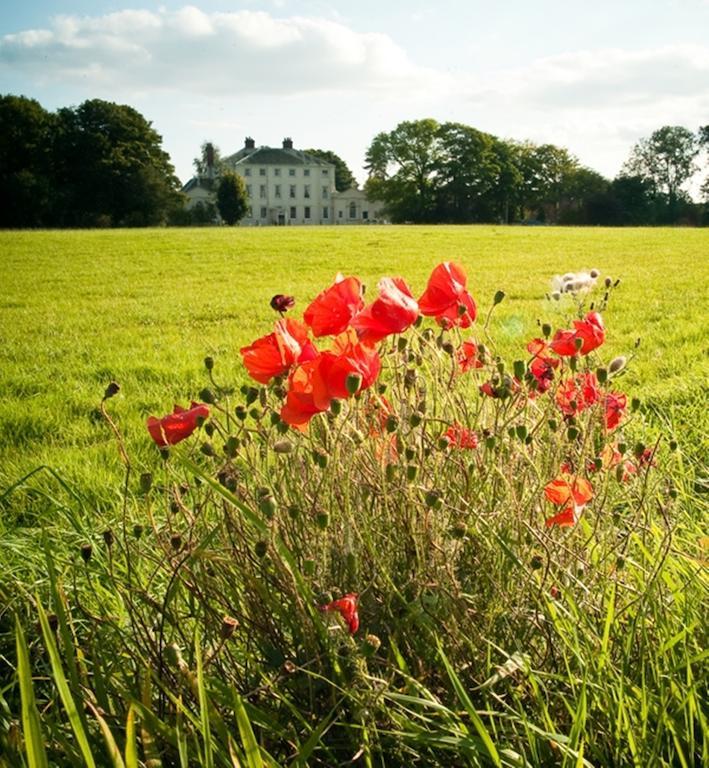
x: 392, y: 312
x: 542, y: 365
x: 467, y: 356
x: 178, y: 425
x: 347, y: 357
x: 565, y: 489
x: 347, y: 608
x: 578, y: 393
x: 446, y: 297
x: 567, y: 518
x: 590, y: 331
x: 615, y: 405
x: 461, y: 437
x: 300, y: 405
x: 274, y: 354
x: 332, y: 310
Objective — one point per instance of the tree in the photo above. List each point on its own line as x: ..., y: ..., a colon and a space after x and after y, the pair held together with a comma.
x: 232, y: 200
x: 404, y: 168
x: 26, y: 130
x: 666, y: 160
x: 343, y: 176
x: 111, y: 168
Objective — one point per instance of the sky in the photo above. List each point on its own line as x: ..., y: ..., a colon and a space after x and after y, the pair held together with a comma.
x: 594, y: 77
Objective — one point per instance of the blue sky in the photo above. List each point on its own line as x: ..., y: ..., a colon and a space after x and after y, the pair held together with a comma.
x: 594, y: 77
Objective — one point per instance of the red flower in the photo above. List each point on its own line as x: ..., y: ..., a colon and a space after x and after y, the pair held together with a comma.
x: 615, y: 405
x: 392, y: 312
x: 571, y: 493
x: 467, y: 356
x: 347, y: 608
x: 542, y: 365
x: 178, y: 425
x: 578, y: 393
x: 282, y: 303
x: 275, y: 354
x: 461, y: 437
x: 332, y: 310
x: 446, y: 297
x: 300, y: 405
x: 590, y: 331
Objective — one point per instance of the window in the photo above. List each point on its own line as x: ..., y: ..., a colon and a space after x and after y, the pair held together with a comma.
x: 353, y: 211
x: 292, y: 211
x: 306, y: 171
x: 325, y: 191
x: 365, y: 214
x: 277, y: 191
x: 306, y: 215
x: 264, y: 212
x: 247, y: 171
x: 325, y: 213
x: 249, y: 213
x: 325, y: 172
x: 248, y: 190
x: 276, y: 171
x: 339, y: 214
x: 306, y: 192
x: 262, y: 191
x: 291, y: 171
x: 292, y: 190
x: 261, y: 171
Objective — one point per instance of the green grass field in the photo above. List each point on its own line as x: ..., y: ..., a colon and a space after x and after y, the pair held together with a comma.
x: 79, y: 309
x: 172, y: 613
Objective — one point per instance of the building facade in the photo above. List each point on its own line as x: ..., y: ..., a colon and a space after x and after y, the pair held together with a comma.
x: 286, y: 186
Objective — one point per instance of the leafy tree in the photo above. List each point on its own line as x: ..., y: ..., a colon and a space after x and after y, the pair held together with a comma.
x: 26, y: 130
x: 232, y: 200
x: 343, y: 176
x: 666, y: 160
x: 110, y: 167
x: 404, y: 168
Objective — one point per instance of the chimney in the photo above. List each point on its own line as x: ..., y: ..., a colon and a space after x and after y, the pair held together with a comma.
x: 288, y: 143
x: 209, y: 152
x: 249, y: 143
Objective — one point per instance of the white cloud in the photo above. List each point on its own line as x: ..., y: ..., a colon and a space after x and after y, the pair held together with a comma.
x: 214, y: 53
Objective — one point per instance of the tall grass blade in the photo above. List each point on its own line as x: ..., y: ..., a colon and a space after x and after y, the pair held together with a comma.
x: 248, y: 739
x: 34, y: 743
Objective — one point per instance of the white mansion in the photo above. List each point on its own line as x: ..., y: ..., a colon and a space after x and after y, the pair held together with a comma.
x: 286, y: 186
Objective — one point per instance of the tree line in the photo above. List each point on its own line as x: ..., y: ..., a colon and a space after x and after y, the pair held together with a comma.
x: 98, y: 164
x: 430, y: 172
x: 102, y: 164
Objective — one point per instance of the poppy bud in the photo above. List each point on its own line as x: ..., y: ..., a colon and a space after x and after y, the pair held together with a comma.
x: 608, y: 282
x: 209, y: 363
x: 595, y: 273
x: 459, y: 530
x: 282, y: 303
x: 86, y: 551
x: 519, y: 369
x: 240, y: 412
x: 320, y: 458
x: 112, y: 389
x: 209, y: 429
x: 433, y: 499
x: 371, y: 645
x: 536, y: 562
x: 401, y: 343
x: 617, y: 364
x: 620, y: 563
x: 146, y: 482
x: 490, y: 442
x: 207, y: 396
x: 553, y: 425
x: 176, y: 541
x: 572, y: 433
x: 602, y: 375
x: 108, y: 537
x: 521, y: 431
x: 207, y: 449
x: 255, y: 414
x: 336, y: 407
x: 138, y: 530
x: 556, y: 296
x: 634, y: 404
x: 391, y: 424
x: 352, y: 383
x: 447, y: 347
x: 267, y: 505
x: 411, y: 472
x: 53, y: 621
x: 229, y: 626
x: 293, y: 511
x: 309, y: 567
x: 261, y: 548
x: 498, y: 297
x: 323, y: 520
x: 251, y: 395
x: 231, y: 446
x: 173, y: 655
x: 282, y: 446
x: 673, y: 445
x: 390, y: 472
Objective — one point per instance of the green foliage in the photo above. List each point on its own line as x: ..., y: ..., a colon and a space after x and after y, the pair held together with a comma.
x: 232, y: 200
x: 98, y: 164
x: 343, y: 176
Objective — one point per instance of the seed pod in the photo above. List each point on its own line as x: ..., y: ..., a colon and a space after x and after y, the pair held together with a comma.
x: 282, y: 446
x: 617, y: 364
x: 323, y: 520
x: 138, y: 530
x: 411, y: 472
x: 146, y: 482
x: 267, y: 505
x: 498, y: 297
x: 602, y: 375
x: 112, y: 389
x: 209, y: 363
x: 207, y: 396
x: 86, y: 551
x: 536, y: 562
x: 229, y: 626
x: 352, y: 383
x: 391, y: 424
x: 208, y: 449
x: 176, y: 541
x: 108, y: 537
x: 261, y: 548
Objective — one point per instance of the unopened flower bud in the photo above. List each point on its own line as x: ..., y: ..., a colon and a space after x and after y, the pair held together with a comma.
x: 371, y: 645
x: 86, y: 551
x: 323, y: 520
x: 401, y: 343
x: 209, y: 363
x: 447, y: 347
x: 108, y: 537
x: 146, y: 482
x: 352, y: 383
x: 282, y: 303
x: 459, y: 530
x: 536, y: 562
x: 251, y: 395
x: 261, y: 548
x: 207, y: 396
x: 267, y: 505
x: 176, y: 541
x: 207, y: 449
x: 602, y: 375
x: 282, y: 446
x: 112, y: 389
x: 336, y: 407
x: 617, y: 364
x: 556, y: 296
x: 608, y: 282
x: 595, y: 273
x: 138, y: 530
x: 229, y: 626
x: 240, y: 412
x: 498, y: 297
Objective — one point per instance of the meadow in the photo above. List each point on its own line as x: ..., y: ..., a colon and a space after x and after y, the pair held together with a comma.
x: 480, y: 663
